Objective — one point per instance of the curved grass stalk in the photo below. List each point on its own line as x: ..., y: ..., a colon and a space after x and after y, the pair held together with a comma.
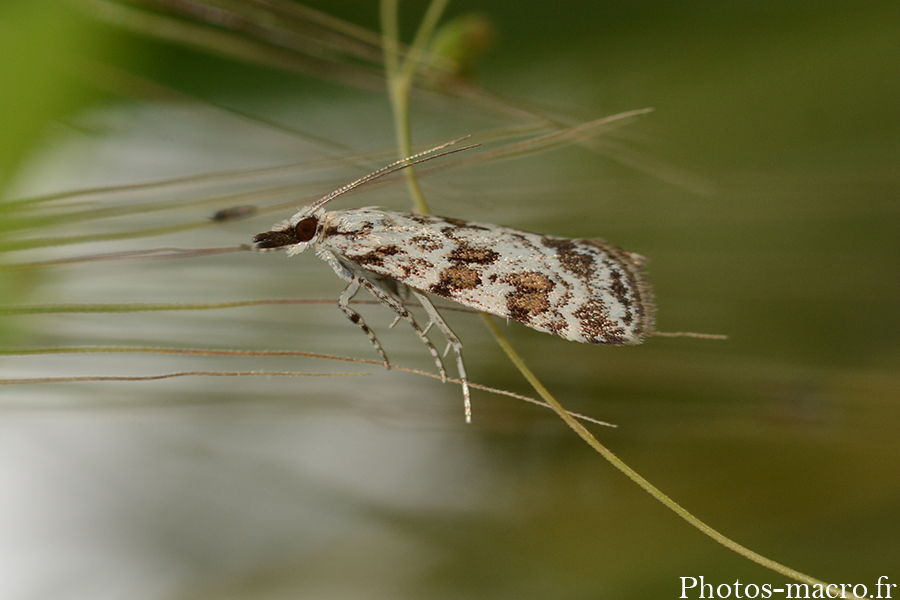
x: 633, y: 475
x: 399, y: 80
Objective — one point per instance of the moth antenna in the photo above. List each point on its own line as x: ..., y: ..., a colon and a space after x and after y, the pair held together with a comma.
x: 392, y: 168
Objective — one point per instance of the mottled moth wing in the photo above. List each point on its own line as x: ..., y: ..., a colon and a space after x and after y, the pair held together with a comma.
x: 583, y: 290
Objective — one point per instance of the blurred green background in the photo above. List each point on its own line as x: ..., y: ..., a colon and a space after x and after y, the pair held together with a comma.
x: 764, y: 189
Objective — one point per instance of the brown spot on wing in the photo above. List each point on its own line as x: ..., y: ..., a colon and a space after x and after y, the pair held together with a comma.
x: 455, y: 278
x: 459, y: 223
x: 376, y: 257
x: 465, y: 254
x: 421, y: 219
x: 596, y: 326
x: 414, y: 267
x: 530, y: 296
x: 579, y: 264
x: 427, y: 243
x: 622, y: 294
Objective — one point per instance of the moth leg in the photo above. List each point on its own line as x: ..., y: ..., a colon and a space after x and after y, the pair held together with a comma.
x: 355, y: 317
x: 453, y: 342
x: 395, y: 305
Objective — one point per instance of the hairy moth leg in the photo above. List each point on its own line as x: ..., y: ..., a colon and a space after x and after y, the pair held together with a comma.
x: 355, y: 317
x: 388, y: 300
x: 453, y: 341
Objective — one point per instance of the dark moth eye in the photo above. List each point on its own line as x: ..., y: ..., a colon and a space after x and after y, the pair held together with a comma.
x: 305, y: 230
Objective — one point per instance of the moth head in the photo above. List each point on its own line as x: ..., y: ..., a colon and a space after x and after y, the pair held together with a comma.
x: 295, y: 234
x: 304, y: 229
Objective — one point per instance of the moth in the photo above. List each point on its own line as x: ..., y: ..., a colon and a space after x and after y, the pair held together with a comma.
x: 583, y: 290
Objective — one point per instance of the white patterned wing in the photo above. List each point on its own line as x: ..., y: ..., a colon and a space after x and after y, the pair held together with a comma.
x: 583, y: 290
